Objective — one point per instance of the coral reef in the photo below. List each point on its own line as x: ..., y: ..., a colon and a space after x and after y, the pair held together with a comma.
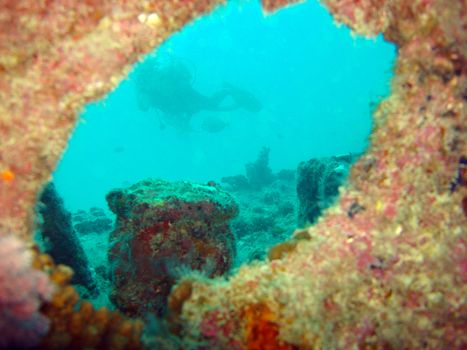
x: 161, y: 227
x: 236, y: 182
x: 266, y: 217
x: 55, y: 58
x: 93, y: 221
x: 391, y: 275
x: 318, y: 182
x: 76, y: 324
x: 385, y: 267
x: 259, y: 173
x: 262, y: 333
x: 93, y: 227
x: 22, y: 292
x: 60, y: 238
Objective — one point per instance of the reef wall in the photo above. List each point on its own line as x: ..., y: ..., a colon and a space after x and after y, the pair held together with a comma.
x: 54, y: 58
x: 392, y: 275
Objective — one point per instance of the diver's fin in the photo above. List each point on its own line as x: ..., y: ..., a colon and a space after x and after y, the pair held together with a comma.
x: 243, y: 98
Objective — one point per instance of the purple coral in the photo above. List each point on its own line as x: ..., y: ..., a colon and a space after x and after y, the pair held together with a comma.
x: 22, y: 290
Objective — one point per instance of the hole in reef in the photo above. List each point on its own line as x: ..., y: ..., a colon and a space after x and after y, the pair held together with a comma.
x: 270, y: 111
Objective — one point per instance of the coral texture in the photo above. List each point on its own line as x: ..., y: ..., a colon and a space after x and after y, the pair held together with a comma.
x: 385, y: 267
x: 75, y: 324
x: 22, y: 292
x: 54, y: 58
x: 162, y: 227
x: 273, y: 5
x: 391, y: 276
x: 61, y: 240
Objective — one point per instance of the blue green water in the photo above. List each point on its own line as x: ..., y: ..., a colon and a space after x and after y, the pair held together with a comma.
x: 316, y: 83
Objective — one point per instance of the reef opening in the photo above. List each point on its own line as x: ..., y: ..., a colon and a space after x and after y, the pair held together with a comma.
x: 261, y: 114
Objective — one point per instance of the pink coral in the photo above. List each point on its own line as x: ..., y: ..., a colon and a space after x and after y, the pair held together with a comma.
x: 22, y: 290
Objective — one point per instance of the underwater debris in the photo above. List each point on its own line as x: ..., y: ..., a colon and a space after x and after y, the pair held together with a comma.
x: 61, y: 240
x: 160, y: 227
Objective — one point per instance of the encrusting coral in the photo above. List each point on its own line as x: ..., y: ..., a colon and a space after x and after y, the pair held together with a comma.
x: 386, y: 266
x: 391, y: 275
x: 163, y: 226
x: 76, y: 324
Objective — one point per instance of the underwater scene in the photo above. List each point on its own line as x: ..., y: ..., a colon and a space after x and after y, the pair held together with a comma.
x: 233, y: 175
x: 235, y: 132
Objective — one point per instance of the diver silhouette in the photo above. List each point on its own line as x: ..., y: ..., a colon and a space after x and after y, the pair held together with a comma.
x: 169, y: 89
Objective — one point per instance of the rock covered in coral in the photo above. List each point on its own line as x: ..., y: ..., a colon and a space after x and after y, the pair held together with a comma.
x: 385, y: 268
x: 51, y: 67
x: 161, y: 227
x: 22, y: 292
x: 60, y: 238
x: 95, y: 220
x: 318, y: 182
x: 417, y: 145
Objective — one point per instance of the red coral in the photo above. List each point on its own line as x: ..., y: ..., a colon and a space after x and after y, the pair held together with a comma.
x: 22, y: 291
x: 262, y: 332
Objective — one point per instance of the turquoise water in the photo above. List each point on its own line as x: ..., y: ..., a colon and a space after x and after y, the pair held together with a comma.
x: 315, y: 81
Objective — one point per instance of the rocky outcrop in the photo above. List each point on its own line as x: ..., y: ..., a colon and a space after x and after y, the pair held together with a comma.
x: 163, y: 228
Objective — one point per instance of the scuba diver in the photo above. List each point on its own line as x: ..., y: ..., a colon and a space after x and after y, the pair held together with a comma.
x: 169, y: 88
